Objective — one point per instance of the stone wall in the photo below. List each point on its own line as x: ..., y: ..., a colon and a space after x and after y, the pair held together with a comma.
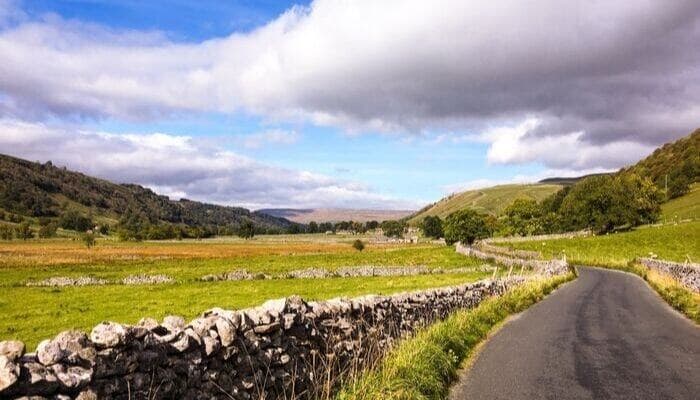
x: 551, y: 267
x: 487, y: 247
x: 688, y: 274
x: 534, y: 238
x: 286, y: 348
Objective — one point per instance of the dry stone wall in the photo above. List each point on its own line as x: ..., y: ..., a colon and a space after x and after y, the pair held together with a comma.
x: 688, y: 274
x: 550, y: 267
x: 286, y: 348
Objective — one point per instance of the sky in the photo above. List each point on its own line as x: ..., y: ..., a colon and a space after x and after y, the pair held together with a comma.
x: 387, y: 104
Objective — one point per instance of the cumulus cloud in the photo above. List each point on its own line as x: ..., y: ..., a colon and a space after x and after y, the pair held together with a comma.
x: 179, y: 166
x: 594, y: 74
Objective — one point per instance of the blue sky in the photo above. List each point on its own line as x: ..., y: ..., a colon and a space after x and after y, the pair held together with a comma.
x: 339, y: 104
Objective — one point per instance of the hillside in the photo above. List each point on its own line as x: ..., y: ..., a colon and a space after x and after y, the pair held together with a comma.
x: 676, y: 164
x: 44, y: 190
x: 684, y: 207
x: 305, y: 216
x: 490, y: 200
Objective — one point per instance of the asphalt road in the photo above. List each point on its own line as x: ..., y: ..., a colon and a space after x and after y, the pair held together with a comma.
x: 606, y: 335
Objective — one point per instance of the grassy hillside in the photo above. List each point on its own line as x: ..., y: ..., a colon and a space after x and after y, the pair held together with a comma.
x: 44, y: 190
x: 490, y: 200
x: 684, y: 207
x: 676, y: 164
x: 304, y: 216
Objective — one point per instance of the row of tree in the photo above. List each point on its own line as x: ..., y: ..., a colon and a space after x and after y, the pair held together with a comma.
x: 602, y: 203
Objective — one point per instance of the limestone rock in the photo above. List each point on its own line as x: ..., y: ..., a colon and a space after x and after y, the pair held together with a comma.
x: 108, y: 334
x: 12, y: 349
x: 174, y: 323
x: 9, y: 372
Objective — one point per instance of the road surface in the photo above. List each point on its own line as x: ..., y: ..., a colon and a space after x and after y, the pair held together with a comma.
x: 606, y: 335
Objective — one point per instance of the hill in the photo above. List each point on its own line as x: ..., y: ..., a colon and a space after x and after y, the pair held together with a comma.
x: 305, y: 216
x: 43, y: 190
x: 675, y: 165
x: 566, y: 180
x: 490, y: 200
x: 684, y: 207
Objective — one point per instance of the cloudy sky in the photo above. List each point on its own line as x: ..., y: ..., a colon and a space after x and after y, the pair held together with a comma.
x: 337, y: 103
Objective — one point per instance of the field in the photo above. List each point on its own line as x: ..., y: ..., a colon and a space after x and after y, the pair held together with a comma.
x: 489, y: 200
x: 676, y: 242
x: 686, y: 207
x: 34, y: 313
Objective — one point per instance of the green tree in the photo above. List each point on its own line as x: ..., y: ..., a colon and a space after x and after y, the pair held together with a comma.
x: 606, y: 202
x: 371, y: 225
x: 6, y: 232
x: 24, y: 231
x: 48, y: 230
x: 522, y: 217
x: 432, y: 226
x: 358, y: 245
x: 466, y: 226
x: 247, y: 229
x: 72, y: 220
x: 393, y: 228
x: 313, y: 227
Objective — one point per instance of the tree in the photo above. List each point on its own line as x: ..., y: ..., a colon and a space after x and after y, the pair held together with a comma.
x: 606, y: 202
x: 72, y: 220
x: 466, y: 226
x: 393, y: 228
x: 432, y: 226
x: 246, y: 230
x: 48, y: 230
x: 371, y: 225
x: 6, y: 232
x: 522, y: 217
x: 88, y: 239
x: 313, y: 227
x: 358, y: 245
x: 24, y: 231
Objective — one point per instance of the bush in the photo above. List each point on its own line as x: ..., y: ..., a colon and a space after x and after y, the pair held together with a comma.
x: 88, y: 239
x: 24, y: 231
x: 358, y: 245
x: 48, y: 230
x: 74, y: 221
x: 466, y: 226
x: 6, y: 232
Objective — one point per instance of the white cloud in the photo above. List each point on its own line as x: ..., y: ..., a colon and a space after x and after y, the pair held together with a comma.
x: 180, y: 167
x: 608, y: 71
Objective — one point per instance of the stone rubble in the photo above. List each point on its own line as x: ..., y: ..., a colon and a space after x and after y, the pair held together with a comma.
x: 60, y: 281
x: 147, y: 279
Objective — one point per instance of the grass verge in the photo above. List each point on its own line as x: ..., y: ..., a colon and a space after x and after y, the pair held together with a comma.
x: 423, y: 366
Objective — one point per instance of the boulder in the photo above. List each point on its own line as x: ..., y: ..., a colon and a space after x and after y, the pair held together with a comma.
x: 9, y: 372
x: 108, y: 334
x: 12, y: 349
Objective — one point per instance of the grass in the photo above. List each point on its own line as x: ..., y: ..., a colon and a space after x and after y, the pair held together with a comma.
x: 489, y: 200
x: 422, y: 367
x: 188, y: 261
x: 676, y: 242
x: 684, y: 207
x: 31, y: 314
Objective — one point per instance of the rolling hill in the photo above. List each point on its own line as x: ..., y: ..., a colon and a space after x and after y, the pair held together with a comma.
x: 43, y: 190
x: 684, y: 207
x: 305, y: 216
x: 490, y: 200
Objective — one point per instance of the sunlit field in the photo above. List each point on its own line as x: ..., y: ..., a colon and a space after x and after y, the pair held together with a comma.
x: 34, y: 313
x: 675, y: 242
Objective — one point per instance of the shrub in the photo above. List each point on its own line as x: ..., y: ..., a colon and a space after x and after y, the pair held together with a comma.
x: 88, y: 239
x: 74, y: 221
x: 358, y: 245
x: 48, y: 230
x: 24, y: 231
x: 6, y: 232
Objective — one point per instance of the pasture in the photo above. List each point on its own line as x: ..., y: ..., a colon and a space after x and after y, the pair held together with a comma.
x: 31, y: 314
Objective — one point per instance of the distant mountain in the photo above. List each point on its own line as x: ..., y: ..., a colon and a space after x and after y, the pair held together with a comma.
x: 490, y: 200
x: 566, y: 181
x: 44, y: 190
x: 305, y: 216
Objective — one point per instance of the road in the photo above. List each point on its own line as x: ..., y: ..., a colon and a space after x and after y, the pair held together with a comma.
x: 606, y: 335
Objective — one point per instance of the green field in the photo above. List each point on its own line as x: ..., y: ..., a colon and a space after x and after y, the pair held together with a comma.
x: 31, y: 314
x: 489, y: 200
x: 676, y: 242
x: 684, y: 207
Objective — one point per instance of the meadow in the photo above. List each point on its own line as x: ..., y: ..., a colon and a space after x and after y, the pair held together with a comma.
x: 31, y: 314
x: 675, y: 242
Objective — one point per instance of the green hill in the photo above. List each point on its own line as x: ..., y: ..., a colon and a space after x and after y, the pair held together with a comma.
x: 35, y: 190
x: 490, y: 200
x: 684, y: 207
x: 675, y: 164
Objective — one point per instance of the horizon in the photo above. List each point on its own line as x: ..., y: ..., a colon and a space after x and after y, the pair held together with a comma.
x: 326, y: 104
